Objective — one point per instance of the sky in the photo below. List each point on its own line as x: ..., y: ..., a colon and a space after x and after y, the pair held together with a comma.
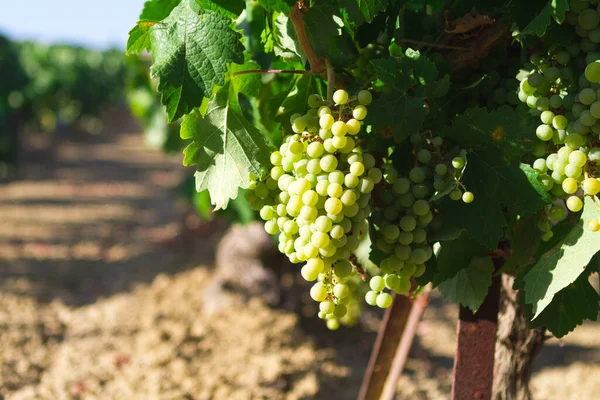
x: 97, y: 24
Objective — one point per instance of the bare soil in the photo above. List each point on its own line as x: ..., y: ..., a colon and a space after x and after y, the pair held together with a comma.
x: 102, y: 279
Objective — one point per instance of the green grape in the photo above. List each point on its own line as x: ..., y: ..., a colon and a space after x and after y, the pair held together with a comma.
x: 569, y: 185
x: 574, y: 204
x: 424, y: 156
x: 577, y: 158
x: 420, y: 207
x: 456, y: 194
x: 441, y: 169
x: 377, y: 284
x: 359, y: 112
x: 417, y: 175
x: 540, y: 165
x: 556, y: 101
x: 353, y: 126
x: 556, y: 213
x: 588, y: 19
x: 544, y: 132
x: 340, y: 97
x: 458, y: 162
x: 384, y: 300
x: 327, y: 306
x: 546, y: 117
x: 357, y: 168
x: 592, y: 72
x: 371, y: 298
x: 328, y: 163
x: 364, y: 97
x: 591, y: 186
x: 340, y: 290
x: 401, y: 186
x: 594, y: 225
x: 333, y: 206
x: 342, y: 269
x: 326, y: 121
x: 408, y: 223
x: 351, y: 181
x: 468, y: 197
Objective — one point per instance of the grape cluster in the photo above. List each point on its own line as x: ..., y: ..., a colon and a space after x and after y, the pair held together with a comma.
x: 316, y: 197
x: 562, y: 88
x: 401, y: 222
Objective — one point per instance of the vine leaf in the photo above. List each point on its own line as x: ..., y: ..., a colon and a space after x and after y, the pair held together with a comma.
x: 357, y: 12
x: 510, y: 131
x: 283, y: 6
x: 524, y: 241
x: 286, y: 43
x: 191, y: 49
x: 322, y: 26
x: 563, y: 264
x: 139, y: 38
x: 554, y: 9
x: 456, y: 255
x: 225, y: 147
x: 157, y: 10
x: 569, y: 307
x: 470, y: 285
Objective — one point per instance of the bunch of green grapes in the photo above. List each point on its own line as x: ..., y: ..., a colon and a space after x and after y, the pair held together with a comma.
x: 400, y: 225
x: 562, y: 88
x: 316, y: 197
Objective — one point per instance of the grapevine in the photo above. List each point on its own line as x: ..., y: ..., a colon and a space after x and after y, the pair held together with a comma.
x: 390, y: 145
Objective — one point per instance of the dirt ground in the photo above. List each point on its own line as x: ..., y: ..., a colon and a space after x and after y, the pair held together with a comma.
x: 102, y: 297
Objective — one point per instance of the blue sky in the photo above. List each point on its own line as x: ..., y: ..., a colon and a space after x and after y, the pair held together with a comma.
x: 98, y: 24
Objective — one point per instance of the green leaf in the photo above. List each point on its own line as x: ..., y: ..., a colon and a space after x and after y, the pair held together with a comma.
x: 191, y: 49
x: 286, y: 43
x: 554, y: 9
x: 569, y: 307
x: 229, y: 8
x: 322, y: 23
x: 470, y: 285
x: 225, y: 147
x: 509, y: 130
x: 563, y: 264
x: 283, y: 6
x: 157, y: 10
x: 139, y: 38
x: 356, y: 12
x: 248, y: 84
x: 301, y: 87
x: 398, y: 113
x: 524, y: 240
x: 455, y: 256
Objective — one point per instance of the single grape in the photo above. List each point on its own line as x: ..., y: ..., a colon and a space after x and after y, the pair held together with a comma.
x: 384, y: 300
x: 574, y: 204
x: 468, y: 197
x: 365, y: 97
x: 340, y: 97
x: 594, y: 225
x: 591, y: 186
x: 359, y: 112
x: 339, y: 128
x: 456, y: 194
x: 458, y: 162
x: 371, y: 298
x: 377, y: 284
x: 569, y: 185
x: 556, y: 213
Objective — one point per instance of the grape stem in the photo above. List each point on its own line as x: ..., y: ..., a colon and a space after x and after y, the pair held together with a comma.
x: 330, y: 81
x: 359, y: 268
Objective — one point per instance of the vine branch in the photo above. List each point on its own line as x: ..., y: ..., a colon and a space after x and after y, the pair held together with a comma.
x: 297, y: 17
